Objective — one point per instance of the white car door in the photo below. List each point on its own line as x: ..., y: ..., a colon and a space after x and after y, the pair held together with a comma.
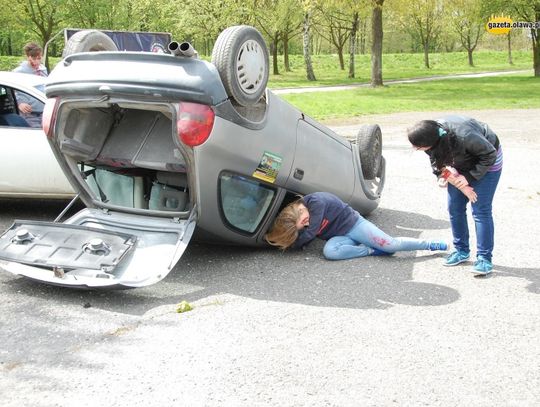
x: 28, y: 167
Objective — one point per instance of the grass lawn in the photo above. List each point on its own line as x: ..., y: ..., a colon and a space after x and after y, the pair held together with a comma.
x: 500, y: 92
x: 395, y: 66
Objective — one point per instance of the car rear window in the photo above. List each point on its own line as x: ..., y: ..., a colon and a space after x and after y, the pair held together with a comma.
x: 244, y: 202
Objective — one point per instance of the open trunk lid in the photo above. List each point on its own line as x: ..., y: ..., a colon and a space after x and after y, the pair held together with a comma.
x: 96, y: 249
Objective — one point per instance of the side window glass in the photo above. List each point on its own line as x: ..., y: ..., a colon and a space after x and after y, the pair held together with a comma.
x: 8, y: 112
x: 244, y: 201
x: 30, y: 108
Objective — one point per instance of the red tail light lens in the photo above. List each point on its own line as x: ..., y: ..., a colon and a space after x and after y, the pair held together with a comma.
x: 194, y: 123
x: 49, y: 114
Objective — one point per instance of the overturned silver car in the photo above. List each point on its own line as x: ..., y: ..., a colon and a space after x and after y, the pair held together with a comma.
x: 159, y: 146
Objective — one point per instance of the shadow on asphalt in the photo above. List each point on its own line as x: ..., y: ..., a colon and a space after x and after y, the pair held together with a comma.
x: 300, y: 277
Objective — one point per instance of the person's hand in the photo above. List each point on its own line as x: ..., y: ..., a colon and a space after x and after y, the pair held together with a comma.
x: 459, y: 181
x: 25, y: 108
x: 468, y: 191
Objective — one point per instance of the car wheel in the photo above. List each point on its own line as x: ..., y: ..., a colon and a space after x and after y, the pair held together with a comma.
x: 241, y: 58
x: 89, y: 41
x: 369, y: 141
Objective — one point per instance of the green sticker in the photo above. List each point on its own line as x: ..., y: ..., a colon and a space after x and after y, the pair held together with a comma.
x: 268, y: 168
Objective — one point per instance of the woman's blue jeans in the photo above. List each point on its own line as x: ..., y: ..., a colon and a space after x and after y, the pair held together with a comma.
x: 481, y: 212
x: 365, y: 235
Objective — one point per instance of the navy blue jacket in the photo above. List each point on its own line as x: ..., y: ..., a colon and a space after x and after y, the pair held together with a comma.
x: 329, y: 216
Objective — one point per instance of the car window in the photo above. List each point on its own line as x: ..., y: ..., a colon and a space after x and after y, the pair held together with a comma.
x: 30, y: 108
x: 244, y: 202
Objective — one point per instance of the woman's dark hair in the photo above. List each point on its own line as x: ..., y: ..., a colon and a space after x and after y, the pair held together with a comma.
x: 436, y: 136
x: 424, y: 134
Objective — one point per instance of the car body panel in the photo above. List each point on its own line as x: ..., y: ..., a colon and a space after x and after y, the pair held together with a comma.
x: 139, y: 74
x: 313, y: 161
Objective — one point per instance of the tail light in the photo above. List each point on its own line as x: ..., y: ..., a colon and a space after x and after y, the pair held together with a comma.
x: 49, y: 115
x: 194, y: 123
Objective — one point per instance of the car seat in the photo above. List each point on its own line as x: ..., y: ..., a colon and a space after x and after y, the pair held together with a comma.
x: 169, y: 192
x: 8, y: 117
x: 13, y: 120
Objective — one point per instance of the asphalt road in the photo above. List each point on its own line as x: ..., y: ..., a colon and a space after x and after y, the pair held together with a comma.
x: 272, y: 329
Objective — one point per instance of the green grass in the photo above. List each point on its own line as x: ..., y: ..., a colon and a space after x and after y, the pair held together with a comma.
x: 395, y: 66
x: 501, y: 92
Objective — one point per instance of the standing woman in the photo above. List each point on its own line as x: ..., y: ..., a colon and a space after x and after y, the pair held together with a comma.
x: 466, y: 156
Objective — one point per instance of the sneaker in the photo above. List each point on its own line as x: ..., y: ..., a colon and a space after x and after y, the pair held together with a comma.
x: 456, y: 258
x: 442, y: 246
x: 482, y: 266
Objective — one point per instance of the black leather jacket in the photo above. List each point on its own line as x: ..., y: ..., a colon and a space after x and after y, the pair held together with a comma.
x: 472, y: 147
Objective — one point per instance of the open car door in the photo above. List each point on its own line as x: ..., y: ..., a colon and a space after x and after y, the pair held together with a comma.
x: 96, y: 249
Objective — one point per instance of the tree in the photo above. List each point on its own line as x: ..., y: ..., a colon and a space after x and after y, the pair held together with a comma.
x: 306, y: 39
x: 376, y: 42
x: 527, y: 11
x: 334, y: 28
x: 468, y: 21
x: 202, y: 21
x: 308, y: 7
x: 422, y: 19
x: 278, y: 19
x: 343, y: 18
x: 41, y: 17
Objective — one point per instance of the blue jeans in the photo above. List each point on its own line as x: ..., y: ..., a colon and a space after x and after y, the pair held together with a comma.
x: 365, y: 235
x: 482, y: 215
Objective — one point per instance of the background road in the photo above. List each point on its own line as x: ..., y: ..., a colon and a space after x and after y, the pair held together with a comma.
x: 272, y: 329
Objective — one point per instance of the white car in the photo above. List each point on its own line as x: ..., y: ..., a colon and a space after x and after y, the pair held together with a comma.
x: 28, y: 168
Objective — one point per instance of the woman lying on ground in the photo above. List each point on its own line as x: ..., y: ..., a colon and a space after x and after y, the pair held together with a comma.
x: 348, y: 234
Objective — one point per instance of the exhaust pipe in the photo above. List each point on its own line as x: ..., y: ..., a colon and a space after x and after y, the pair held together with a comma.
x: 184, y: 49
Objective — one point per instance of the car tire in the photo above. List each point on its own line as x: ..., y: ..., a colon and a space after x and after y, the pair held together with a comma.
x: 241, y: 58
x: 369, y: 142
x: 89, y: 41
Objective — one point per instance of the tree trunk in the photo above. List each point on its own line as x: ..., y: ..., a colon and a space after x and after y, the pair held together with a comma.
x: 536, y: 55
x: 426, y: 53
x: 509, y: 42
x: 275, y: 42
x: 352, y: 44
x: 341, y: 59
x: 275, y: 68
x: 536, y: 46
x: 470, y: 56
x: 363, y: 36
x: 286, y: 52
x: 376, y: 44
x: 310, y: 75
